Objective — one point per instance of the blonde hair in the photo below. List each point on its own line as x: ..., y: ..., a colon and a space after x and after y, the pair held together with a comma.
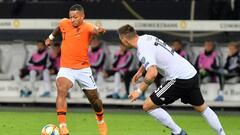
x: 128, y: 31
x: 234, y: 44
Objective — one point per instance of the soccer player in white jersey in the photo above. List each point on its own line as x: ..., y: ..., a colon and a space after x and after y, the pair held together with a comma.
x: 181, y: 80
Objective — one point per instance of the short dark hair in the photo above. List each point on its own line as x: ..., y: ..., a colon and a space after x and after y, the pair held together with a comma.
x: 41, y: 41
x: 128, y: 31
x: 210, y: 41
x: 178, y: 41
x: 76, y: 7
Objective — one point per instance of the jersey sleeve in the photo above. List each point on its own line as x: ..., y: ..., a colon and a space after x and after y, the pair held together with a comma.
x: 62, y: 24
x: 90, y: 27
x: 148, y: 59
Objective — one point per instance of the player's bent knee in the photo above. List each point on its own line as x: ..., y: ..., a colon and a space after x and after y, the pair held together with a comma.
x: 149, y: 105
x: 62, y: 90
x: 200, y: 108
x: 146, y: 107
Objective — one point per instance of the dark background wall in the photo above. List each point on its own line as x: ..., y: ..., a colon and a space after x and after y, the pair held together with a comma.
x: 115, y: 9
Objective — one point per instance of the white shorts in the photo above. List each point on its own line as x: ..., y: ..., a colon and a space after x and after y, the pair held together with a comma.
x: 83, y: 77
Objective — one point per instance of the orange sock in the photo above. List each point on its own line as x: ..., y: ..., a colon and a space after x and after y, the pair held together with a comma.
x: 99, y: 115
x: 61, y: 114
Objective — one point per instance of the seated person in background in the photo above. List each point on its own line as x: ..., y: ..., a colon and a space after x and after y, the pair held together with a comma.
x: 122, y: 61
x: 1, y: 61
x: 208, y: 64
x: 177, y: 45
x: 34, y: 67
x: 53, y: 66
x: 231, y: 67
x: 97, y: 58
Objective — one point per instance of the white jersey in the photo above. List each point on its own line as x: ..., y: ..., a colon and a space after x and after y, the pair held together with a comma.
x: 153, y: 51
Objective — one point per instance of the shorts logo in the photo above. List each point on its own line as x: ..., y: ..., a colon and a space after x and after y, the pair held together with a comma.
x: 163, y: 88
x: 143, y: 60
x: 162, y: 98
x: 158, y: 89
x: 146, y: 64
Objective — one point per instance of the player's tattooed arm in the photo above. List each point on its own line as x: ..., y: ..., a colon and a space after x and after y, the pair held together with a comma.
x: 149, y: 78
x: 139, y: 74
x: 142, y: 69
x: 148, y: 81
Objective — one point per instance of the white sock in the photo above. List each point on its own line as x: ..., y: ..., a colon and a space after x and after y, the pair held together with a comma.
x: 33, y: 75
x: 213, y: 120
x: 18, y: 80
x: 62, y: 125
x: 47, y: 81
x: 100, y: 79
x: 221, y: 92
x: 100, y: 122
x: 162, y: 116
x: 117, y: 81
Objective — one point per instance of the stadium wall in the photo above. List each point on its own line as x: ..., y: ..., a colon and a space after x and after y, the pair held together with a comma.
x: 9, y: 89
x: 9, y: 92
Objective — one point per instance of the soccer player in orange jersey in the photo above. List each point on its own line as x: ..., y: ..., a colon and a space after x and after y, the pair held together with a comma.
x: 75, y: 67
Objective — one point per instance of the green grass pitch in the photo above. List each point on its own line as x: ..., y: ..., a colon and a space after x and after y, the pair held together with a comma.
x: 30, y: 122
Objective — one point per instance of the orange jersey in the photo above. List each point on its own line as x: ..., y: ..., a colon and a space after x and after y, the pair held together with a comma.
x: 75, y: 41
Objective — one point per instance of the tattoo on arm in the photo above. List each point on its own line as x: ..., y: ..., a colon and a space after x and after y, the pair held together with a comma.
x: 142, y: 68
x: 148, y: 81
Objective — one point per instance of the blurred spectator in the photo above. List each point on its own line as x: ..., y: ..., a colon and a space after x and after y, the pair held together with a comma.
x: 1, y: 59
x: 34, y: 68
x: 122, y: 61
x: 177, y: 45
x: 52, y: 69
x: 208, y: 64
x: 97, y: 57
x: 232, y: 65
x: 231, y: 71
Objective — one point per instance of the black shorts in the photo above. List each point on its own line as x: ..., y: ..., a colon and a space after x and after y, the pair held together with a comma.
x: 186, y: 89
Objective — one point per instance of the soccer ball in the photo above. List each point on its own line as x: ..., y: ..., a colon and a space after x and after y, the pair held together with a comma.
x: 50, y: 129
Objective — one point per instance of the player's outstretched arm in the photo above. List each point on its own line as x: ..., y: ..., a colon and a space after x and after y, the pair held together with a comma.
x: 98, y: 30
x: 139, y: 74
x: 49, y: 40
x: 149, y: 78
